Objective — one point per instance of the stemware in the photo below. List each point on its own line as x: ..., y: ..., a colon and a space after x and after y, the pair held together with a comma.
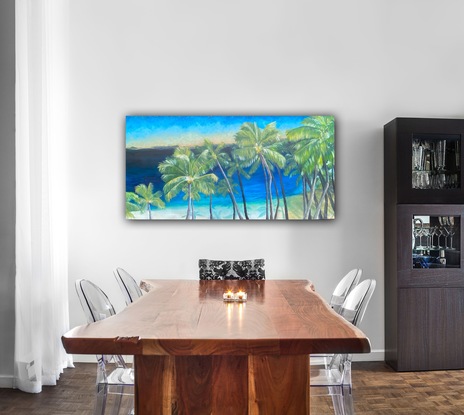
x: 433, y: 232
x: 458, y: 153
x: 439, y: 231
x: 443, y: 232
x: 417, y: 232
x: 441, y: 154
x: 451, y: 230
x: 425, y: 232
x: 417, y: 155
x: 425, y: 180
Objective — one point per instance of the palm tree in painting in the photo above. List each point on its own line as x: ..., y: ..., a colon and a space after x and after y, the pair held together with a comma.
x: 147, y: 199
x: 223, y: 188
x: 236, y: 167
x: 184, y: 172
x: 132, y: 204
x: 285, y: 148
x: 292, y: 168
x: 314, y: 153
x: 216, y: 157
x: 256, y: 147
x: 326, y: 179
x: 211, y: 216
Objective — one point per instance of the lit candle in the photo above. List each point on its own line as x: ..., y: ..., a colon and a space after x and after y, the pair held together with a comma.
x: 241, y: 296
x: 228, y: 295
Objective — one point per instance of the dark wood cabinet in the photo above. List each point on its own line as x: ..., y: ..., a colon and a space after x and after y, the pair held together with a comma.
x: 424, y: 224
x: 430, y: 334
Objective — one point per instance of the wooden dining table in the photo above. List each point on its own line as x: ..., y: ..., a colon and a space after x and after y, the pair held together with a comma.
x: 196, y: 354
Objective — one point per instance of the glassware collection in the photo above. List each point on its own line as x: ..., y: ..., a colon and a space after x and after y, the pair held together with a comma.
x: 433, y: 245
x: 435, y: 163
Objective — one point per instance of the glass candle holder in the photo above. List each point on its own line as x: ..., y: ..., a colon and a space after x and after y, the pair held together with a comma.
x: 228, y: 296
x: 241, y: 296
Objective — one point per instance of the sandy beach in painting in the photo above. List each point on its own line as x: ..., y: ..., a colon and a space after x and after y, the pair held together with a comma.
x: 255, y: 211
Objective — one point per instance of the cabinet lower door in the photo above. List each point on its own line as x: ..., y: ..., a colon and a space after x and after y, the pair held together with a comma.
x: 430, y: 329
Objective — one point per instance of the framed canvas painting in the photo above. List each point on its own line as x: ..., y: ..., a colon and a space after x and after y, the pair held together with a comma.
x: 230, y: 167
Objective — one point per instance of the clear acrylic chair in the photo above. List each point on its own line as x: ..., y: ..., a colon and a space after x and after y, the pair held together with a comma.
x: 114, y: 377
x: 129, y: 287
x: 335, y: 378
x: 343, y: 288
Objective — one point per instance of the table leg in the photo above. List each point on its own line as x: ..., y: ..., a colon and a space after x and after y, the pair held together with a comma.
x: 279, y: 385
x: 221, y: 385
x: 154, y: 385
x: 191, y: 385
x: 211, y: 385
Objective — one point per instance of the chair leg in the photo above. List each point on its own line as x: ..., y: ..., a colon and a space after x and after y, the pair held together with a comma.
x: 102, y: 393
x: 338, y: 404
x: 348, y: 404
x: 347, y: 382
x: 342, y: 400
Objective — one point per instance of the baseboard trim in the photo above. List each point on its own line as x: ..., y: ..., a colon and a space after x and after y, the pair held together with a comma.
x: 373, y: 356
x: 90, y: 358
x: 6, y: 381
x: 84, y: 358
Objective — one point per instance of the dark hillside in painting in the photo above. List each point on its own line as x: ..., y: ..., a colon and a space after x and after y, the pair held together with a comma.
x: 142, y: 166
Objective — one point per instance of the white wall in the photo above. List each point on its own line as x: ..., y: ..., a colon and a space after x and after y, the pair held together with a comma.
x: 366, y: 62
x: 7, y: 196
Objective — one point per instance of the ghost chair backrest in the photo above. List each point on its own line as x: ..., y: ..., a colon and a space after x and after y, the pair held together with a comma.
x: 94, y: 301
x: 129, y: 287
x: 355, y: 305
x: 344, y: 287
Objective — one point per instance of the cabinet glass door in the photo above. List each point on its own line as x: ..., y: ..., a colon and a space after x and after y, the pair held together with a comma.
x: 436, y: 241
x: 436, y: 161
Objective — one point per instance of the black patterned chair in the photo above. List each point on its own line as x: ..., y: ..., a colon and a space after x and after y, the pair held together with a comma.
x: 251, y: 269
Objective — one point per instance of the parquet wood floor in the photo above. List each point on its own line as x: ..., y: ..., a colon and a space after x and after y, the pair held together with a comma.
x: 378, y: 390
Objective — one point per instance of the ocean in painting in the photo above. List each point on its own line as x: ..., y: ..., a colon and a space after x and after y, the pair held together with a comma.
x: 141, y: 168
x: 182, y: 167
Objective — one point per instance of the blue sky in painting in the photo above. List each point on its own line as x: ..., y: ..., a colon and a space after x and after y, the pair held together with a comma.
x: 157, y: 131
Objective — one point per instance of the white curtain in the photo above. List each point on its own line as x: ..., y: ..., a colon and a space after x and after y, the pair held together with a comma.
x: 41, y: 194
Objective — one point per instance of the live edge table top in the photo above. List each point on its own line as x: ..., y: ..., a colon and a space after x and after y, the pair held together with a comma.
x: 189, y: 317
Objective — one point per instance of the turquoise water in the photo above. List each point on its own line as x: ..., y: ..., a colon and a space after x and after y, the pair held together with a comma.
x: 141, y: 168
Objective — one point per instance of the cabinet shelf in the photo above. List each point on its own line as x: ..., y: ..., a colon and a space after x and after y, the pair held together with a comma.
x: 424, y: 160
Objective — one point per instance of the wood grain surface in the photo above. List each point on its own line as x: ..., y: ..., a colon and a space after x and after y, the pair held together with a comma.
x: 187, y: 317
x: 196, y: 354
